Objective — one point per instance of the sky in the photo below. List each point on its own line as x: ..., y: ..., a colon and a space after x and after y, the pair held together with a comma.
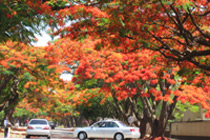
x: 42, y: 40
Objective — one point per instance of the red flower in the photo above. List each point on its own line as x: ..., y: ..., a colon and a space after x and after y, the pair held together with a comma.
x: 145, y: 95
x: 9, y: 16
x: 154, y: 82
x: 72, y: 88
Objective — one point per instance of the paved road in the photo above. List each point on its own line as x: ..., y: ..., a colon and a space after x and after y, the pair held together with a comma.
x: 34, y: 139
x: 62, y: 133
x: 56, y: 134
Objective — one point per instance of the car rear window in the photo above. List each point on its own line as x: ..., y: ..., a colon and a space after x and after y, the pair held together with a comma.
x: 123, y: 124
x: 42, y: 122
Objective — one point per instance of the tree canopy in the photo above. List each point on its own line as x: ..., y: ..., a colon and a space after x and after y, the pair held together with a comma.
x: 21, y: 19
x: 143, y: 56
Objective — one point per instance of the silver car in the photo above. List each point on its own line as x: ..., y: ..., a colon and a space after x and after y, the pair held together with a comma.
x: 110, y: 129
x: 38, y: 127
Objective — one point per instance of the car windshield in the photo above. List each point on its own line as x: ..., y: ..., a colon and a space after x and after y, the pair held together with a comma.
x: 38, y: 122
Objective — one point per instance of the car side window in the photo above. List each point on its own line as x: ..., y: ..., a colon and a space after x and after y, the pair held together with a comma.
x: 111, y: 124
x: 99, y: 124
x: 103, y: 125
x: 115, y: 125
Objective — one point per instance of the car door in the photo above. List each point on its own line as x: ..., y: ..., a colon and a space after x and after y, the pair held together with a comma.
x: 109, y: 130
x: 95, y: 130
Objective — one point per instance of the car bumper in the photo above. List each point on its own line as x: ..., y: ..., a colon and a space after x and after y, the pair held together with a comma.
x: 132, y: 135
x: 75, y: 134
x: 38, y: 132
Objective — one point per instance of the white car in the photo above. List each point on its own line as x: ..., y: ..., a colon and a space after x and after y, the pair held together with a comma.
x: 38, y: 127
x: 110, y: 129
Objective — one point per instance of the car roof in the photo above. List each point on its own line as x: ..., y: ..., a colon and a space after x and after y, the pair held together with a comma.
x: 108, y: 120
x: 38, y: 119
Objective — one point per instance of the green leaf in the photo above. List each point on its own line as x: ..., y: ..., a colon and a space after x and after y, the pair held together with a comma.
x: 102, y: 21
x: 90, y: 83
x: 194, y: 108
x: 8, y: 72
x: 167, y: 2
x: 77, y: 85
x: 123, y: 24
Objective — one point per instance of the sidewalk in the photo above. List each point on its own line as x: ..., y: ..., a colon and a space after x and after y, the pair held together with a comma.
x: 21, y: 132
x: 14, y: 132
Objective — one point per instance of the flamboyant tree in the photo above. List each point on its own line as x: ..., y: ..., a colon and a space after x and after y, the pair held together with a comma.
x: 20, y: 63
x: 178, y: 29
x: 25, y: 71
x: 21, y: 19
x: 119, y: 30
x: 130, y: 78
x: 175, y: 29
x: 125, y: 27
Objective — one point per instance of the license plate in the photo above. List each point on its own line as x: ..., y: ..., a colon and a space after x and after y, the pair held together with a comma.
x: 38, y: 128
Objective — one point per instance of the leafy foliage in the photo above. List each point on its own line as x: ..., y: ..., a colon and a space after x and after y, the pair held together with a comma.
x: 21, y: 19
x: 143, y: 55
x: 132, y: 39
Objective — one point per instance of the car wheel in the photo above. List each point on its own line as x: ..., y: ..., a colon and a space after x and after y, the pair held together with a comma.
x: 82, y: 136
x: 91, y: 139
x: 48, y: 137
x: 118, y: 136
x: 27, y: 136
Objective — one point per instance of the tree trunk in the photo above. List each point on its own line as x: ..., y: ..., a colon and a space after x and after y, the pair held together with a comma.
x: 158, y: 126
x: 72, y: 121
x: 143, y: 127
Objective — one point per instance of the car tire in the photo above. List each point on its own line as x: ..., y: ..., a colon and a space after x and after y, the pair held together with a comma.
x: 82, y: 136
x: 91, y: 139
x: 27, y: 136
x: 48, y: 137
x: 118, y: 136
